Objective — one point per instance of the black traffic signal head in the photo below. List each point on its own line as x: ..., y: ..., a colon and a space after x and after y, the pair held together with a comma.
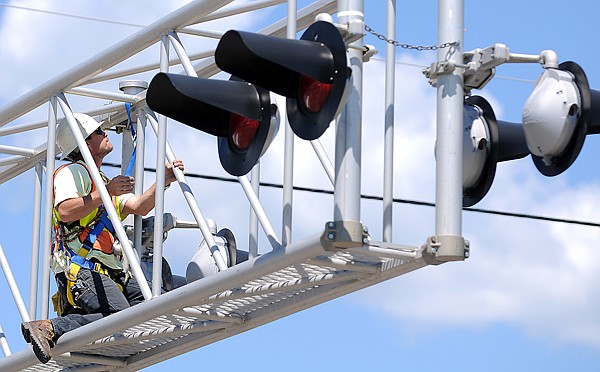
x: 240, y: 114
x: 480, y: 149
x: 311, y: 72
x: 486, y: 142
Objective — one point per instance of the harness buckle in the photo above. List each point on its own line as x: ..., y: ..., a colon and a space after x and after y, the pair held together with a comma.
x: 97, y: 267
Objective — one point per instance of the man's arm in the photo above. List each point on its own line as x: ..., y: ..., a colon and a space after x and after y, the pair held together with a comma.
x: 143, y: 204
x: 74, y: 209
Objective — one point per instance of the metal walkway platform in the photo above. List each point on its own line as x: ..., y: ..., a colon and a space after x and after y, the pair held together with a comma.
x: 240, y: 298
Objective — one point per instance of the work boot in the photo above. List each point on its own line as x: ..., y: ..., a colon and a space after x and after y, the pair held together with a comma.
x: 40, y: 333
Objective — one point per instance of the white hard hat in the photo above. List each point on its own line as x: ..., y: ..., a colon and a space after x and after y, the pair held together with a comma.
x: 64, y: 137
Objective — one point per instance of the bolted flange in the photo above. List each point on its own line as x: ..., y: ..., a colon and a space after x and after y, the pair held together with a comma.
x: 444, y: 248
x: 343, y: 235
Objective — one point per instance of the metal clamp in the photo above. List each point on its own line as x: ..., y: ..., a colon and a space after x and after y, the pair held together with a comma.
x: 438, y: 68
x: 352, y: 30
x: 444, y: 248
x: 343, y: 235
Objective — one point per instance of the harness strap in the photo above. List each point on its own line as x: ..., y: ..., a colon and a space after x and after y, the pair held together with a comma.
x: 86, y: 264
x: 73, y: 271
x: 90, y: 239
x: 78, y: 262
x: 134, y: 137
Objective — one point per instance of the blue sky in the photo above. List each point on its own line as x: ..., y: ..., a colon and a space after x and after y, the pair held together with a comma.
x: 526, y: 299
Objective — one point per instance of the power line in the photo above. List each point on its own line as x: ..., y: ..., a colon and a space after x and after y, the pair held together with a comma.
x: 379, y: 198
x: 72, y: 15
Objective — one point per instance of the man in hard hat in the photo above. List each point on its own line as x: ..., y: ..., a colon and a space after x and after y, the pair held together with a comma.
x: 89, y: 273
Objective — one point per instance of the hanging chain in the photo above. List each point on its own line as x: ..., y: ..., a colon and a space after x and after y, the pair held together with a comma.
x: 408, y: 46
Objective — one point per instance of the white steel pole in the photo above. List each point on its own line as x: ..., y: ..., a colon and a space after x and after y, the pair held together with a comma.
x: 132, y: 88
x: 324, y: 159
x: 181, y: 53
x: 253, y: 220
x: 260, y: 213
x: 288, y: 156
x: 450, y: 95
x: 12, y: 285
x: 388, y: 152
x: 139, y: 174
x: 159, y: 207
x: 348, y: 137
x: 35, y: 240
x: 4, y: 343
x: 127, y: 147
x: 48, y: 206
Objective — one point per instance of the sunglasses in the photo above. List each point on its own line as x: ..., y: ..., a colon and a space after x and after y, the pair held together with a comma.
x: 97, y: 131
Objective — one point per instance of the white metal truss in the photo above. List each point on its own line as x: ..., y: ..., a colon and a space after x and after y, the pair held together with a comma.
x: 333, y: 262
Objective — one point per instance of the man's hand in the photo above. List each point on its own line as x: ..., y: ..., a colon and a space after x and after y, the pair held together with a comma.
x: 143, y: 204
x: 169, y: 174
x: 120, y: 185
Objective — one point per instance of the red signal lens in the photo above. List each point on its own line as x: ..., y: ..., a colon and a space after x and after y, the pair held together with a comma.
x: 313, y: 94
x: 243, y: 131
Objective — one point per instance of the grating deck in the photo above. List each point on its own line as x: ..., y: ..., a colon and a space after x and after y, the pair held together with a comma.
x: 200, y: 313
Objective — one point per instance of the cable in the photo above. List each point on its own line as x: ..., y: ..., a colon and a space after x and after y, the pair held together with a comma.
x: 379, y: 198
x: 71, y: 15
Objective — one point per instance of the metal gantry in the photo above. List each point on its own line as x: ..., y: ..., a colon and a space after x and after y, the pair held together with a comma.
x: 291, y: 276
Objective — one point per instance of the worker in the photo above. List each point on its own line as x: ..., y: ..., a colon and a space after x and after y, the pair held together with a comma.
x: 88, y: 270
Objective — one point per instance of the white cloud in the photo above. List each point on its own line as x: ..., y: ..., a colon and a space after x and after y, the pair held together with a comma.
x: 537, y: 275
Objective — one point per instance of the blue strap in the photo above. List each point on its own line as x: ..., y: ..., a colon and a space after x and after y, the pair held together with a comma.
x: 103, y: 222
x: 88, y: 243
x: 82, y: 262
x: 78, y: 260
x: 133, y: 135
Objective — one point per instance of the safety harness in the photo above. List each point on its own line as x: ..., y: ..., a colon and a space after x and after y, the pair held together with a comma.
x: 87, y: 236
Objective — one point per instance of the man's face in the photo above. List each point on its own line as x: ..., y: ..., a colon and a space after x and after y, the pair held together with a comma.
x: 99, y: 144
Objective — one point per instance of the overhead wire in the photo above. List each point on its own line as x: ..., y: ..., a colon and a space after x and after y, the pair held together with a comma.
x: 71, y: 15
x: 379, y: 198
